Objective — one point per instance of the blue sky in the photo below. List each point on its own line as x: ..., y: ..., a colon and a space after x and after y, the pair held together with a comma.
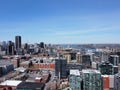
x: 60, y: 21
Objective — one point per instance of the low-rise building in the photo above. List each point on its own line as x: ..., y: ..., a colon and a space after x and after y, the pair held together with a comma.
x: 5, y: 67
x: 30, y: 86
x: 10, y: 83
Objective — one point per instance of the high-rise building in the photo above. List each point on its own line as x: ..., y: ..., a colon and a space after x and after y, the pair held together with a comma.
x: 42, y: 45
x: 75, y: 79
x: 78, y: 57
x: 105, y: 82
x: 117, y: 82
x: 5, y: 67
x: 26, y: 46
x: 104, y: 56
x: 17, y: 42
x: 70, y: 56
x: 10, y: 48
x: 60, y: 68
x: 4, y: 45
x: 1, y: 48
x: 91, y: 80
x: 67, y: 56
x: 106, y: 68
x: 114, y: 59
x: 85, y: 60
x: 73, y: 66
x: 116, y: 69
x: 118, y: 53
x: 91, y: 56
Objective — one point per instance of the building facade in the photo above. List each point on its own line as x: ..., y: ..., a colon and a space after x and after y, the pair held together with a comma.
x: 91, y: 80
x: 114, y: 59
x: 75, y: 79
x: 60, y: 68
x: 10, y: 48
x: 106, y: 68
x: 17, y: 42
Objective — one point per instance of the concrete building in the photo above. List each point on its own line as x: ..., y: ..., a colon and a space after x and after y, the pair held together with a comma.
x: 44, y: 65
x: 105, y: 82
x: 73, y: 66
x: 78, y: 57
x: 5, y: 67
x: 91, y: 80
x: 9, y: 83
x: 15, y: 62
x: 75, y: 80
x: 10, y: 48
x: 117, y: 82
x: 106, y: 68
x: 114, y: 59
x: 70, y: 56
x: 105, y: 56
x: 91, y: 56
x: 85, y: 60
x: 60, y: 68
x: 30, y: 86
x: 118, y: 53
x: 42, y: 45
x: 67, y: 56
x: 17, y: 42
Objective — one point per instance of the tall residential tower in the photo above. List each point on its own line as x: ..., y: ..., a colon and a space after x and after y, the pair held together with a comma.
x: 17, y: 42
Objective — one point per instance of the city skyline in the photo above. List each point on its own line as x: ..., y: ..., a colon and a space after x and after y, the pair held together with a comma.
x: 60, y: 21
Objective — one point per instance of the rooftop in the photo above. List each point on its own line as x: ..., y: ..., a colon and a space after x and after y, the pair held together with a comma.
x: 105, y: 75
x: 4, y: 62
x: 20, y: 69
x: 10, y: 83
x: 114, y: 55
x: 75, y: 72
x: 90, y: 71
x: 32, y: 85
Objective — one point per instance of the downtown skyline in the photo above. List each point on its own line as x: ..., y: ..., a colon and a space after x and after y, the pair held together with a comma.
x: 60, y: 21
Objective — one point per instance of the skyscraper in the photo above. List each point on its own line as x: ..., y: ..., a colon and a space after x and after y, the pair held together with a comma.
x: 106, y: 68
x: 42, y: 45
x: 117, y: 81
x: 60, y: 68
x: 17, y: 42
x: 91, y: 80
x: 85, y: 60
x: 10, y: 48
x: 75, y: 79
x: 114, y: 59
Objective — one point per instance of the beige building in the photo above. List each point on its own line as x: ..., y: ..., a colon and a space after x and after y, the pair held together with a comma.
x: 78, y: 57
x: 67, y: 56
